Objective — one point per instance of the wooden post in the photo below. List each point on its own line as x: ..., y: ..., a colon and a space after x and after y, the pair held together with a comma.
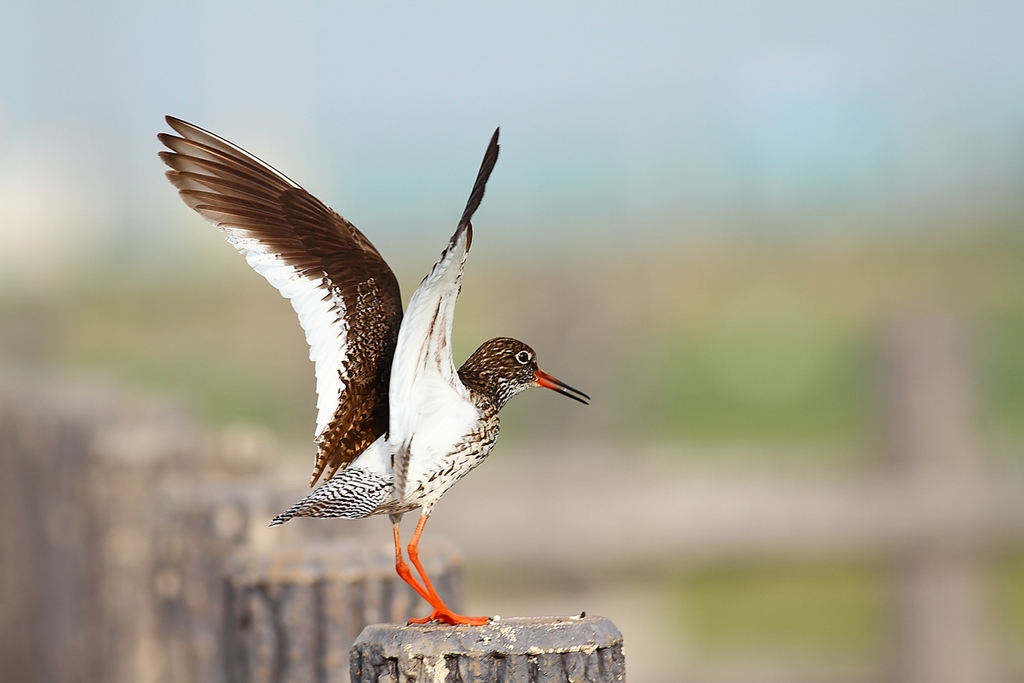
x: 942, y: 627
x: 197, y: 526
x: 49, y: 555
x: 516, y: 650
x: 78, y: 474
x: 291, y: 614
x: 117, y: 513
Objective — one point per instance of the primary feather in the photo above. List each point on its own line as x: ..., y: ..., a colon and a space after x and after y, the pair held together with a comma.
x: 345, y: 295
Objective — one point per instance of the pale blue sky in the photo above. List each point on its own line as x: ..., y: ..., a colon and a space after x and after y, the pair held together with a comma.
x: 653, y: 116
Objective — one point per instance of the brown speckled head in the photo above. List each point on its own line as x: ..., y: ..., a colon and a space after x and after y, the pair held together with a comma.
x: 502, y: 367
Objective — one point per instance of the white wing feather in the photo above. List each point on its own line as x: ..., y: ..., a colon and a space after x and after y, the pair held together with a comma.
x: 428, y: 400
x: 321, y: 314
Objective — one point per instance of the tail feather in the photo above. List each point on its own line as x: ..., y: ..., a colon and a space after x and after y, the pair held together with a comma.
x: 293, y: 511
x: 352, y: 494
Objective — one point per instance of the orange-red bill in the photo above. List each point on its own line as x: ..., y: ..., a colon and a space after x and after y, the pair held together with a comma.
x: 549, y: 382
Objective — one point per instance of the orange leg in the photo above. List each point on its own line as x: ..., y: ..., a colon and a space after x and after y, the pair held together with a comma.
x: 403, y: 569
x: 441, y: 612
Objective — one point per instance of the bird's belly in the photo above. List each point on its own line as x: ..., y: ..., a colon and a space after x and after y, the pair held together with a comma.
x: 435, y: 478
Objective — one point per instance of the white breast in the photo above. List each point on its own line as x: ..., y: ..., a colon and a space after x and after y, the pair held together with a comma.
x: 437, y: 440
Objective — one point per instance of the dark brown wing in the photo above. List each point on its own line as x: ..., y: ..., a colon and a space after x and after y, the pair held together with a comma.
x: 345, y: 295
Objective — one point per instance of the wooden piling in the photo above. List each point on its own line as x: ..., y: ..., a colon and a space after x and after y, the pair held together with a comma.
x: 941, y: 620
x: 79, y: 469
x: 291, y: 614
x: 196, y: 527
x: 517, y: 650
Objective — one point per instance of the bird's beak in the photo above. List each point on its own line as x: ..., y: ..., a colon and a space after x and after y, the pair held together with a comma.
x: 548, y: 382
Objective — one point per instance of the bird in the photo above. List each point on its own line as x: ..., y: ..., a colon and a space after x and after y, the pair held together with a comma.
x: 397, y: 425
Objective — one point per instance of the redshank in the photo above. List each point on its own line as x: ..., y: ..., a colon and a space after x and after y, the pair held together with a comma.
x: 396, y: 425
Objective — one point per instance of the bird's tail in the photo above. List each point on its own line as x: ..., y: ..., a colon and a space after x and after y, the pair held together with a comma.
x: 293, y: 511
x: 351, y: 494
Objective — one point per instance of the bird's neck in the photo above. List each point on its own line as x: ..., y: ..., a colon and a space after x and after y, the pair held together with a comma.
x: 487, y: 390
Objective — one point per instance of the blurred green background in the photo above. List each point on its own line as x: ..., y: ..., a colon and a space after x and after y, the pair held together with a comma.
x: 703, y: 214
x: 764, y: 352
x: 733, y: 343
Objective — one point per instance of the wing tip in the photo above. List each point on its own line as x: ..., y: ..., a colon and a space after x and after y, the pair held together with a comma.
x: 483, y: 175
x: 179, y: 126
x: 164, y: 138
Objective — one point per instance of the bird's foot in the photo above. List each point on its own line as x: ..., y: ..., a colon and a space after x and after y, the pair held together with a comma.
x: 446, y: 616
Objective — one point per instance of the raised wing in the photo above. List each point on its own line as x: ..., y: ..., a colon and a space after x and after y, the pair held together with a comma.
x: 345, y: 295
x: 426, y: 392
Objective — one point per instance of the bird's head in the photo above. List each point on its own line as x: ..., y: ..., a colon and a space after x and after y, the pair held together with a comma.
x: 502, y: 367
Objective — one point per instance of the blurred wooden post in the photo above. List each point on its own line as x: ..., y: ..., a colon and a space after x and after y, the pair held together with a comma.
x: 197, y: 526
x: 79, y: 469
x: 48, y: 554
x: 291, y: 614
x: 942, y: 626
x: 117, y: 517
x: 517, y: 650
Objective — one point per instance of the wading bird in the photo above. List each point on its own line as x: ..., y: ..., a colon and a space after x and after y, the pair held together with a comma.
x: 396, y: 424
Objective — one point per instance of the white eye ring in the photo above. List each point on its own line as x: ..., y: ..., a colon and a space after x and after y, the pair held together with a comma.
x: 523, y: 357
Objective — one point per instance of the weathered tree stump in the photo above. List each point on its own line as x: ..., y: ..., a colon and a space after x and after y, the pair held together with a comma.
x: 520, y: 649
x: 291, y: 614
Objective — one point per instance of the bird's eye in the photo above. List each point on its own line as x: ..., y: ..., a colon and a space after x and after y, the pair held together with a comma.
x: 523, y: 357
